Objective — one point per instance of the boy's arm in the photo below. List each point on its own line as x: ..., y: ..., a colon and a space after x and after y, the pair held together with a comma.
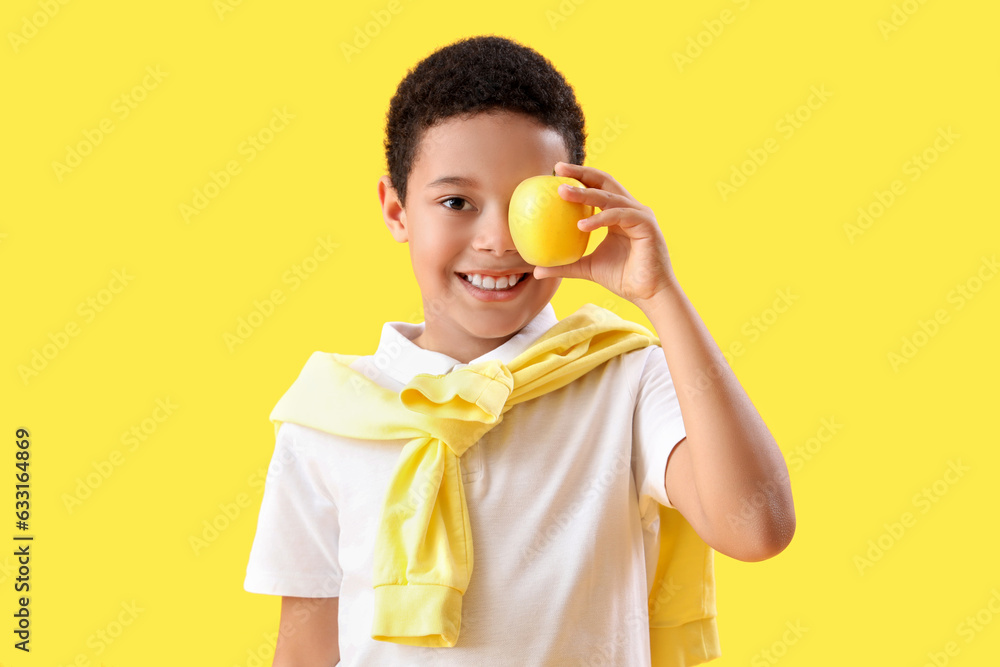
x: 727, y: 477
x: 307, y: 634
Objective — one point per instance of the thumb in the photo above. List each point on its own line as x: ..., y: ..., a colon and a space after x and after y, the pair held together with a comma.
x: 578, y: 269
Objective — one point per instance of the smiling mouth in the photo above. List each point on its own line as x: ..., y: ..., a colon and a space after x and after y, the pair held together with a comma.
x: 488, y: 290
x: 520, y: 277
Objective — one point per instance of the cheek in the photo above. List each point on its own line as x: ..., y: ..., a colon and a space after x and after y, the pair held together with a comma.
x: 437, y: 253
x: 443, y: 247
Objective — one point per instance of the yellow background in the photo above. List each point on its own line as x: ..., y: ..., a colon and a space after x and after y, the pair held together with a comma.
x: 683, y: 129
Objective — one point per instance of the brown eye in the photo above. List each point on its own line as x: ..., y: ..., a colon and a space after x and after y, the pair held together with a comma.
x: 458, y: 199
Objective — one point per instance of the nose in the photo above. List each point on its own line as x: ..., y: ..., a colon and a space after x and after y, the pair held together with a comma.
x: 493, y: 233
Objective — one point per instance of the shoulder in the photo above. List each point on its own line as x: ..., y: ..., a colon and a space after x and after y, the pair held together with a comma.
x: 325, y: 372
x: 298, y: 439
x: 625, y: 373
x: 637, y: 366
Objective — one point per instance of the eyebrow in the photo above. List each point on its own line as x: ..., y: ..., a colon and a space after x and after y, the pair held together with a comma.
x: 461, y: 181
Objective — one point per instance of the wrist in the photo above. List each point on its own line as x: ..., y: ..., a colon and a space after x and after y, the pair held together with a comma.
x: 667, y: 297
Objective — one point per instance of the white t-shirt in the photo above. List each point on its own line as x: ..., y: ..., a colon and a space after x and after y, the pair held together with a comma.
x: 562, y: 502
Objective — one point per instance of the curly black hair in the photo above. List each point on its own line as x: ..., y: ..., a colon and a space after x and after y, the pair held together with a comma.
x: 475, y: 75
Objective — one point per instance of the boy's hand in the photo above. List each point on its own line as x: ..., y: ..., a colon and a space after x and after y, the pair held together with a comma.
x: 632, y: 261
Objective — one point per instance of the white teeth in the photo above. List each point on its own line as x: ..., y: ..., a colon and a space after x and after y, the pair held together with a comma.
x: 489, y: 282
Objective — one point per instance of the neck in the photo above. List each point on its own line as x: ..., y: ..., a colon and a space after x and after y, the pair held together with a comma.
x: 464, y: 350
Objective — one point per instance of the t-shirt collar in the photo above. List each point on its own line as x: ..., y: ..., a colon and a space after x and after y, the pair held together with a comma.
x: 401, y: 359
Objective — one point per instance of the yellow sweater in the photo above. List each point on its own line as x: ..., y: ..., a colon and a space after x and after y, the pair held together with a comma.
x: 423, y: 549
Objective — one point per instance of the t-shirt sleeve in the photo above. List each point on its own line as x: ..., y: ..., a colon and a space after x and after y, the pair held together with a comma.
x: 657, y: 427
x: 295, y: 547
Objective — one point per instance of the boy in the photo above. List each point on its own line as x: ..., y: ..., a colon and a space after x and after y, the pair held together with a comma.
x: 563, y: 496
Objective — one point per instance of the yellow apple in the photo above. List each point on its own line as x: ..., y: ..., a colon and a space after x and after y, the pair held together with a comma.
x: 543, y: 224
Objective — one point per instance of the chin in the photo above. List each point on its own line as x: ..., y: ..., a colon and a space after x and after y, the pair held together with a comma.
x: 495, y: 325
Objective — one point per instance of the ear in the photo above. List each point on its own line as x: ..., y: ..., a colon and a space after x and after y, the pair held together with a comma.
x: 392, y: 212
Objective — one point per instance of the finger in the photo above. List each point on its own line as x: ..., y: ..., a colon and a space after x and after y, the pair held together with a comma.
x: 592, y: 177
x: 578, y: 269
x: 594, y: 197
x: 624, y: 218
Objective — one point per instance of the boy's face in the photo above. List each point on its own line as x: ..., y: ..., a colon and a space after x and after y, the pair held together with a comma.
x: 454, y: 228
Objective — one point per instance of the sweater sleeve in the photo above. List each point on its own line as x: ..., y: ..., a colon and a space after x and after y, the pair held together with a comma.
x: 657, y: 427
x: 295, y: 547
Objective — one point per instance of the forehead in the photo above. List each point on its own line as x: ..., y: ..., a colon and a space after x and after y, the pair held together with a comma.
x: 487, y: 141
